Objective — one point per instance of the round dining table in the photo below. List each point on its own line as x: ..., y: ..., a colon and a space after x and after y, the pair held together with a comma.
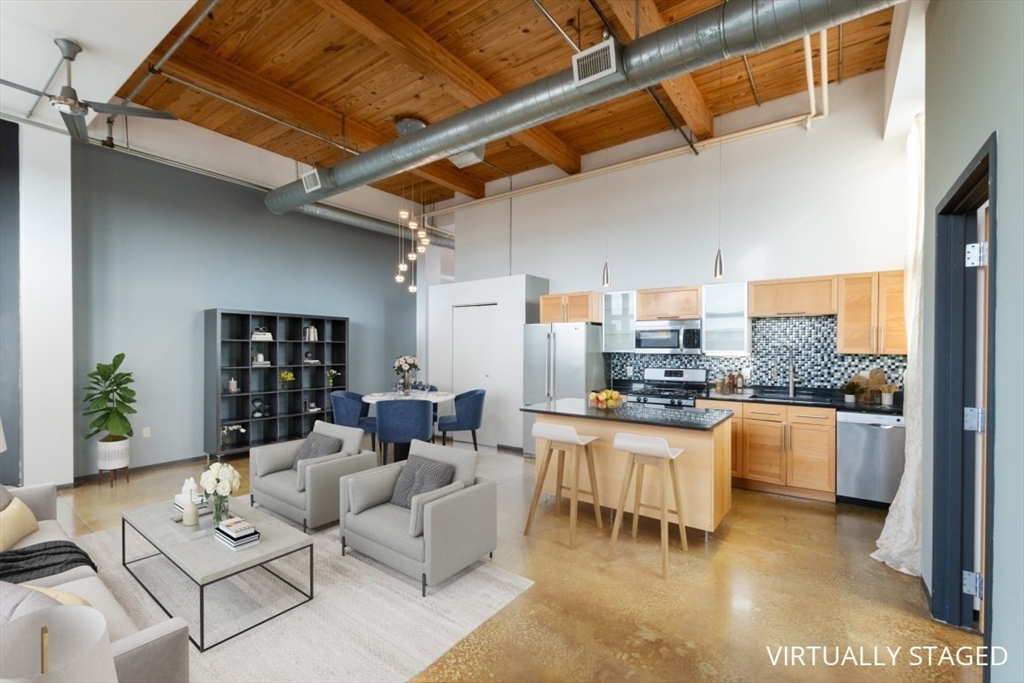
x: 443, y: 399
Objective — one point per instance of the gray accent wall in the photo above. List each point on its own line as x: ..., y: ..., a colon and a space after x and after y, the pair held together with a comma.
x: 155, y: 245
x: 10, y: 304
x: 973, y: 70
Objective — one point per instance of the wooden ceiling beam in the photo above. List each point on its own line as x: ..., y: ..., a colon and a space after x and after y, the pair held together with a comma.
x: 390, y: 30
x: 681, y: 90
x: 194, y: 64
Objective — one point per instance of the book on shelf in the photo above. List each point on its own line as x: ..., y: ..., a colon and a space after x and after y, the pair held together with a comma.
x: 260, y: 362
x: 311, y: 361
x: 262, y: 336
x: 236, y: 527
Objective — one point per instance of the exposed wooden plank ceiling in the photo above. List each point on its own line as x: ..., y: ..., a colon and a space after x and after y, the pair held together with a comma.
x: 346, y: 70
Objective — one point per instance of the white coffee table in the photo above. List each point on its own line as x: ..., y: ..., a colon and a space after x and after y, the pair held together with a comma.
x: 205, y: 560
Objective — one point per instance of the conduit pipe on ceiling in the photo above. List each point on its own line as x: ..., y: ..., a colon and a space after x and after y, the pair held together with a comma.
x: 732, y: 28
x: 359, y: 220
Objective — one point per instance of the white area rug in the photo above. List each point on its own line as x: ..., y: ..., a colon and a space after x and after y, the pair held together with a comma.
x: 366, y: 622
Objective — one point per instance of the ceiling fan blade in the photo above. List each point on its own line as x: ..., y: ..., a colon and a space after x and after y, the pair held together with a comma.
x: 76, y: 126
x: 121, y: 110
x: 31, y: 91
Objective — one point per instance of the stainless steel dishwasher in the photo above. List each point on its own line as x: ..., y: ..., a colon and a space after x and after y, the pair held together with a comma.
x: 869, y: 457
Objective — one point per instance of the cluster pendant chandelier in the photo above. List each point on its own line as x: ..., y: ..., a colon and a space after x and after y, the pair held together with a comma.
x: 410, y: 247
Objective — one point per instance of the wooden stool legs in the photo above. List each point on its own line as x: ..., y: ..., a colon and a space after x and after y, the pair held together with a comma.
x: 574, y: 488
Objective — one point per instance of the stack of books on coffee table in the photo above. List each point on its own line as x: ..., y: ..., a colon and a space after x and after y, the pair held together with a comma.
x: 180, y: 499
x: 237, y: 533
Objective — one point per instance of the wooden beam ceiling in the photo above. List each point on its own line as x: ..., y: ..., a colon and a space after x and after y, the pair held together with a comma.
x: 193, y: 64
x: 391, y: 31
x: 681, y: 90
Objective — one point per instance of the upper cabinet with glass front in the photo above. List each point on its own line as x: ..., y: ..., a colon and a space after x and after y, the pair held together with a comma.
x: 726, y: 327
x: 619, y: 329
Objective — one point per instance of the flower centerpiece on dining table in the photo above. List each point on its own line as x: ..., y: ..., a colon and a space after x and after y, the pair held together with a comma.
x: 219, y: 480
x: 404, y: 367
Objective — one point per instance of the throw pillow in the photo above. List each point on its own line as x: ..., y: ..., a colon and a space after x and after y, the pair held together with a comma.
x: 316, y: 446
x: 420, y: 501
x: 419, y: 476
x: 17, y: 601
x: 5, y: 497
x: 16, y: 522
x: 63, y: 597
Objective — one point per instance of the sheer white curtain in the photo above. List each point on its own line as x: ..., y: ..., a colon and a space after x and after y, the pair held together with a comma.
x: 899, y: 546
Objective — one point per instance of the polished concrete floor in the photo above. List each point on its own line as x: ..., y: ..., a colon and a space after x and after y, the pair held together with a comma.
x: 778, y: 573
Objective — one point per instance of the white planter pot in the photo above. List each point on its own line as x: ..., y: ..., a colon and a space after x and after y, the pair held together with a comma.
x: 112, y: 455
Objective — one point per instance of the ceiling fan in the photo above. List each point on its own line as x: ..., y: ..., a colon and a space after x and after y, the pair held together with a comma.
x: 74, y: 110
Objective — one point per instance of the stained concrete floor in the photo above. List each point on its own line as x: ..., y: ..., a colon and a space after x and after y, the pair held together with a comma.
x: 778, y: 572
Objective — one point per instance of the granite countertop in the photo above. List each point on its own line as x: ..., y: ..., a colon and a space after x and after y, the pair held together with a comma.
x: 662, y: 416
x: 822, y: 398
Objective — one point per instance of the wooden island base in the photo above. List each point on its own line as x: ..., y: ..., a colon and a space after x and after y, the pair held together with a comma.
x: 705, y: 468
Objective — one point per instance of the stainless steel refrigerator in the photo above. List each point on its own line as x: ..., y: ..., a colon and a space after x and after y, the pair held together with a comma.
x: 560, y: 360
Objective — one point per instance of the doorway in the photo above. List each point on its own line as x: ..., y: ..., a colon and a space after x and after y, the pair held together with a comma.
x: 964, y: 396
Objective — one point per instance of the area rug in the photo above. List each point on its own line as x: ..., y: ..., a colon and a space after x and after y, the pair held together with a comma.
x: 366, y: 622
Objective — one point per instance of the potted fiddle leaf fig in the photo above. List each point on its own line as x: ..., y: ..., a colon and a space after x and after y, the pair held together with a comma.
x: 108, y: 400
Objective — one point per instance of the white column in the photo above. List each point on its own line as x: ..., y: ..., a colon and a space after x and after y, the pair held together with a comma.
x: 47, y: 364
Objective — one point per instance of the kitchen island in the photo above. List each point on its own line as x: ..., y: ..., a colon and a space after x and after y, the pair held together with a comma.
x: 704, y: 465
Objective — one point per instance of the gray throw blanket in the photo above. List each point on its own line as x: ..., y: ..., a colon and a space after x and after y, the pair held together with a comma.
x: 42, y: 559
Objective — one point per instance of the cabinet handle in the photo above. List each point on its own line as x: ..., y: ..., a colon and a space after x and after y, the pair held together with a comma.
x: 813, y: 417
x: 789, y: 428
x: 762, y: 412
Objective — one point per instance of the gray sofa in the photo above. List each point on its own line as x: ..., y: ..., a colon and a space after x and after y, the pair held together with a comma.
x: 307, y: 495
x: 157, y: 653
x: 455, y: 530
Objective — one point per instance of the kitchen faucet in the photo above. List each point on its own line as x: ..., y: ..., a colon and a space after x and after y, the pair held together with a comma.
x: 793, y: 379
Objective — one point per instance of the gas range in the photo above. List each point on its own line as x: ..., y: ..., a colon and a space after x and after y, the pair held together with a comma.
x: 670, y: 387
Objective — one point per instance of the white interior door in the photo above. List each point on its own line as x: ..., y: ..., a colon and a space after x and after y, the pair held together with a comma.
x: 477, y: 363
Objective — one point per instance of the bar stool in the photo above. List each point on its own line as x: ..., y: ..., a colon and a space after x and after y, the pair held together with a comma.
x: 649, y: 450
x: 564, y: 439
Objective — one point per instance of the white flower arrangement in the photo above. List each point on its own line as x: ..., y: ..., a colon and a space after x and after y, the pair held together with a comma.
x: 220, y: 481
x: 404, y: 364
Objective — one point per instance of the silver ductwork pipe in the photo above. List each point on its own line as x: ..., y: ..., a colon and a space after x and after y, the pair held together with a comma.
x: 359, y: 220
x: 733, y: 28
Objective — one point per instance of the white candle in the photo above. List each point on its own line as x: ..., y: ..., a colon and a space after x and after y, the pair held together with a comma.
x: 233, y: 385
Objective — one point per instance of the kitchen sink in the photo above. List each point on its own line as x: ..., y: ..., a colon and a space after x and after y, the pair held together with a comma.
x: 783, y: 395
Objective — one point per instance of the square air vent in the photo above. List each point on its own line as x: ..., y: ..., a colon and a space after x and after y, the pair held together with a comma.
x: 597, y: 62
x: 311, y: 181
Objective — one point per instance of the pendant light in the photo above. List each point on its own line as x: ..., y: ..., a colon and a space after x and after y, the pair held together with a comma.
x: 606, y: 280
x: 719, y: 261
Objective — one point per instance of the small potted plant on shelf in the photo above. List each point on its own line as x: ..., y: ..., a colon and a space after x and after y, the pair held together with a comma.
x: 331, y: 374
x: 286, y: 377
x: 108, y: 400
x: 851, y: 390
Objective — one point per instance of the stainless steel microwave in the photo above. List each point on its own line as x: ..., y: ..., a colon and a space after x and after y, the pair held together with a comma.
x: 668, y: 336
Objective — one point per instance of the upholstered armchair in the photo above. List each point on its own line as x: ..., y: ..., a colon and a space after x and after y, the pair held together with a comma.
x: 469, y: 414
x: 306, y: 491
x: 443, y: 531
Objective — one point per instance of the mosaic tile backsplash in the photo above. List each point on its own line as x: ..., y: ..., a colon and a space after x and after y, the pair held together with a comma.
x: 814, y: 345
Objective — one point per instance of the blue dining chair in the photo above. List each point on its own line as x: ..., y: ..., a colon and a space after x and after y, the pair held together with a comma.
x: 469, y: 413
x: 402, y: 421
x: 350, y: 410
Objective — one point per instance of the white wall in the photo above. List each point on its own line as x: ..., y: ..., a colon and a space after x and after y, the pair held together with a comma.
x: 975, y: 82
x: 794, y: 202
x: 47, y: 331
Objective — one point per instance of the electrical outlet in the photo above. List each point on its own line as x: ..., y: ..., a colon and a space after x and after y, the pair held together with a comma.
x: 146, y: 432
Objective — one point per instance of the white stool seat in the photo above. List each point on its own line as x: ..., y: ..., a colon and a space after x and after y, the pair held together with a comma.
x: 560, y: 434
x: 654, y: 446
x: 566, y: 441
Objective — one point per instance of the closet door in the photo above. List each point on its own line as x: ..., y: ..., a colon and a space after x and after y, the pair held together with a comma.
x: 478, y: 349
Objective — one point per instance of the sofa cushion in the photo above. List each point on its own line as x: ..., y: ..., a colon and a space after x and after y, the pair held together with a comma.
x: 464, y: 461
x: 17, y: 601
x: 280, y: 485
x: 420, y: 475
x: 5, y: 497
x: 16, y: 522
x: 387, y: 525
x: 316, y: 446
x: 372, y: 487
x: 420, y: 501
x: 49, y: 530
x: 119, y: 624
x: 62, y: 596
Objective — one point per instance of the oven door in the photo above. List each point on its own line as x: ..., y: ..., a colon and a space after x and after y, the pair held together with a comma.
x: 659, y: 336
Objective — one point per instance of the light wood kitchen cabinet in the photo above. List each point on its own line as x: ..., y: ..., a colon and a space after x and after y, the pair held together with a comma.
x: 764, y: 455
x: 575, y: 307
x: 870, y: 314
x: 792, y: 297
x: 668, y: 303
x: 811, y: 448
x: 737, y: 429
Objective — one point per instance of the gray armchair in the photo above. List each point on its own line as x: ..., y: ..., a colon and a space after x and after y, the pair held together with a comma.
x: 309, y: 493
x: 445, y: 531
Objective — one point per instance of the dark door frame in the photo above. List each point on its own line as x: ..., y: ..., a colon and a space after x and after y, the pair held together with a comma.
x: 954, y: 388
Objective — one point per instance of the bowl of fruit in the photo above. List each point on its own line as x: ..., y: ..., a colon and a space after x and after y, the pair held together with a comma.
x: 606, y: 399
